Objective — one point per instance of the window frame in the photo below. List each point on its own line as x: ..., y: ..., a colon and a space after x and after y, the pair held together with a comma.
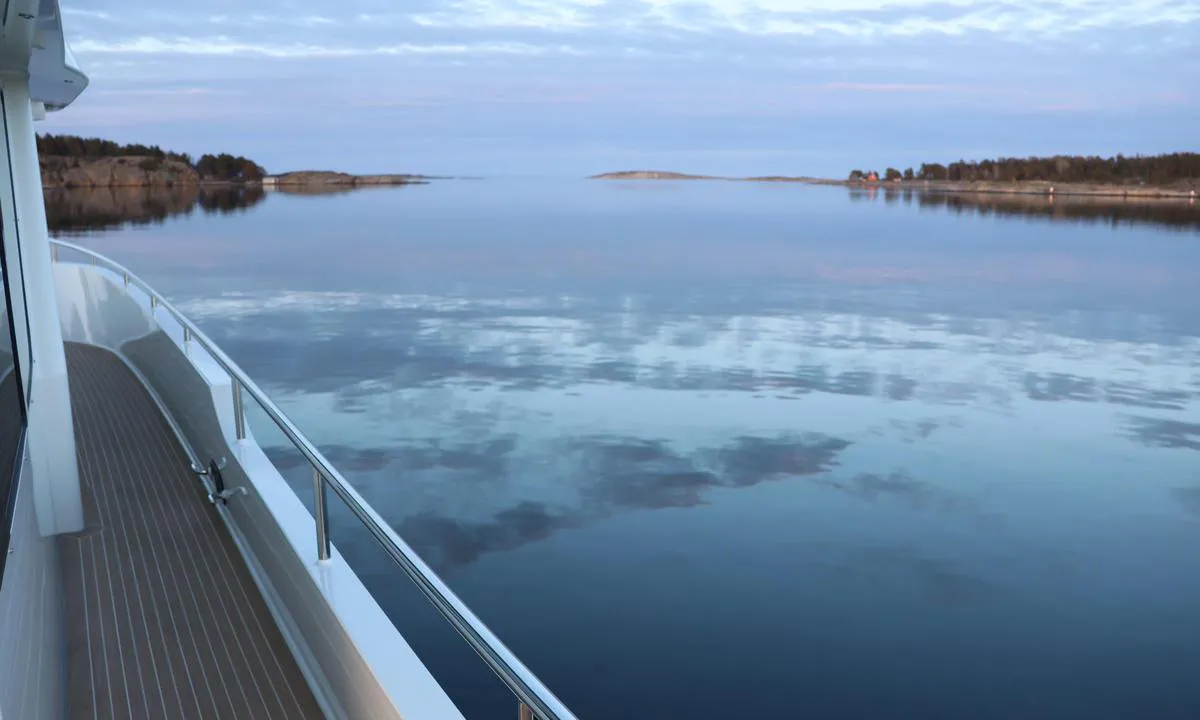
x: 27, y: 382
x: 8, y: 500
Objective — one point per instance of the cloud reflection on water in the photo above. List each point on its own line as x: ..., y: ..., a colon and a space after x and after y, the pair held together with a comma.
x: 1164, y: 432
x: 303, y: 347
x: 598, y: 477
x: 1189, y: 499
x: 652, y: 422
x: 467, y: 489
x: 895, y: 570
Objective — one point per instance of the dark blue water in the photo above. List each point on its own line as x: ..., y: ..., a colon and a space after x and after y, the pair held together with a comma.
x: 714, y: 450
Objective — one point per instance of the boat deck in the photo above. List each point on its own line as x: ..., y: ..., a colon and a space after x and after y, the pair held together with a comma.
x: 162, y: 617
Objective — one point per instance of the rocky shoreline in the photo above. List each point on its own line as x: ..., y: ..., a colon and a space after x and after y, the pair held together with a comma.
x: 1175, y: 191
x: 651, y: 175
x: 341, y: 179
x: 1178, y: 191
x: 125, y: 171
x: 66, y: 172
x: 666, y: 175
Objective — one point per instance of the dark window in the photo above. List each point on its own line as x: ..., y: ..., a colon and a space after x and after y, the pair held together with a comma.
x: 12, y: 409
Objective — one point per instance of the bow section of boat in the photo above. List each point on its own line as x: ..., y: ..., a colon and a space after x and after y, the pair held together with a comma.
x: 131, y: 352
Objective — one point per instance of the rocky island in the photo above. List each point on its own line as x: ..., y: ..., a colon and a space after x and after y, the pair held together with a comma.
x: 70, y: 161
x: 1170, y: 176
x: 665, y: 175
x: 650, y: 175
x: 127, y: 171
x: 329, y: 178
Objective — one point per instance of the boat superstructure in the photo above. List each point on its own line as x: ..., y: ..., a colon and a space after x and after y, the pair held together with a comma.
x: 155, y: 562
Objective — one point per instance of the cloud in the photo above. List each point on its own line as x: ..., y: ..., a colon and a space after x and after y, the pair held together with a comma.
x: 540, y: 14
x: 74, y: 12
x: 846, y: 20
x: 854, y: 19
x: 226, y: 46
x: 163, y: 92
x: 629, y: 75
x: 890, y: 87
x: 305, y: 21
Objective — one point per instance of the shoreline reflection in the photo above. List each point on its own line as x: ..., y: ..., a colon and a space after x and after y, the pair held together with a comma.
x: 78, y: 211
x: 1114, y: 211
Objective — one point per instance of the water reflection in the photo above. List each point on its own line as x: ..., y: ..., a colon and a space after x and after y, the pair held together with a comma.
x: 486, y: 409
x: 536, y: 343
x: 817, y: 459
x: 318, y: 189
x: 597, y: 476
x: 1165, y: 432
x: 1172, y: 213
x: 1176, y: 213
x: 80, y: 211
x: 1189, y: 498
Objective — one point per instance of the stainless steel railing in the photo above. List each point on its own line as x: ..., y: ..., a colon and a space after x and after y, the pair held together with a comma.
x: 534, y: 699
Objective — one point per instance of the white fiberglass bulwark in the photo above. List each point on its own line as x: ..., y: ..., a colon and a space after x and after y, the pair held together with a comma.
x: 40, y: 497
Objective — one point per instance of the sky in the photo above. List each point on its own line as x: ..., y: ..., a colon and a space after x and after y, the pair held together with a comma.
x: 573, y: 87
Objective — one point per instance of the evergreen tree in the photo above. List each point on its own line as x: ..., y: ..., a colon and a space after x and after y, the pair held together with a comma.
x: 1182, y: 167
x: 209, y: 167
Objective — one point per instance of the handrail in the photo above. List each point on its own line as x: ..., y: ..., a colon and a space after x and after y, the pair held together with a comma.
x: 530, y: 691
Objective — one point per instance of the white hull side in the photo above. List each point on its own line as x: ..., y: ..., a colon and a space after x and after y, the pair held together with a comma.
x: 54, y: 476
x: 31, y: 641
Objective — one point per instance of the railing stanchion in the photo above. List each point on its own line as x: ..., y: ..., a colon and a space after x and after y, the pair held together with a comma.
x: 239, y: 413
x: 53, y: 252
x: 187, y: 332
x: 523, y: 712
x: 321, y: 514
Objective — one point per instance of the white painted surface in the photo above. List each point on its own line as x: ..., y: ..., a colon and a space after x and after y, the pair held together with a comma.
x: 48, y: 499
x: 95, y: 308
x: 31, y: 642
x: 54, y: 478
x: 35, y: 35
x: 353, y: 655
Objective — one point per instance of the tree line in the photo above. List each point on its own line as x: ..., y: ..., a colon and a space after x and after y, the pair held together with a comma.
x: 1164, y: 169
x: 209, y: 167
x: 229, y: 167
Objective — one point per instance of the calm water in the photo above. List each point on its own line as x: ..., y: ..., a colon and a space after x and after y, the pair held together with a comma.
x: 712, y: 450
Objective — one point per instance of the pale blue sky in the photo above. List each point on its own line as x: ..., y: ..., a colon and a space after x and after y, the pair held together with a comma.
x: 569, y: 87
